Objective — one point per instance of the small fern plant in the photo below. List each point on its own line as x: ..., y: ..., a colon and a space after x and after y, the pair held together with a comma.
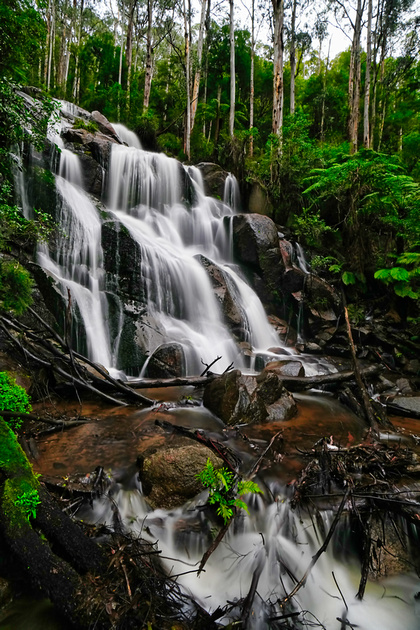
x: 224, y: 491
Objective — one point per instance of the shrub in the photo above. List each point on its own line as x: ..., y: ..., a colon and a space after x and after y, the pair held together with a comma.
x: 13, y: 397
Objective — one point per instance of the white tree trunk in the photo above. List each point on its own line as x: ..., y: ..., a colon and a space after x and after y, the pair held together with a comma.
x: 366, y: 119
x: 197, y: 76
x: 232, y: 72
x: 187, y: 141
x: 251, y: 91
x: 278, y: 85
x: 293, y: 58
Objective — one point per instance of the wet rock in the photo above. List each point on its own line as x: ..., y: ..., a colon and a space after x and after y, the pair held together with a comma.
x: 286, y: 368
x: 406, y: 406
x: 225, y: 292
x: 286, y: 333
x: 404, y: 386
x: 168, y: 360
x: 122, y: 261
x: 169, y: 475
x: 259, y: 201
x: 392, y: 555
x: 214, y: 178
x: 6, y: 592
x: 238, y: 398
x: 253, y: 236
x: 105, y: 126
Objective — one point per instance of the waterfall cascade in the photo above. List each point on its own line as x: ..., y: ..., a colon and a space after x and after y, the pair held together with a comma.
x: 173, y: 226
x: 158, y: 211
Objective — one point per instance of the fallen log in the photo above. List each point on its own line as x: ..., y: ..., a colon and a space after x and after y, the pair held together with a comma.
x: 293, y: 383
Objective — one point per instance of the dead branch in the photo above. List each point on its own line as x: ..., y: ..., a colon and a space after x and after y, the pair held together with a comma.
x: 209, y: 365
x: 214, y: 545
x: 320, y: 551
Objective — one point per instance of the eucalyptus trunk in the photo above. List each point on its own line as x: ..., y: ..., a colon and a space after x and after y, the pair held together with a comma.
x: 293, y: 58
x: 354, y: 79
x: 251, y: 91
x: 149, y: 58
x: 197, y: 76
x: 232, y: 72
x: 278, y: 66
x: 187, y: 136
x: 366, y: 111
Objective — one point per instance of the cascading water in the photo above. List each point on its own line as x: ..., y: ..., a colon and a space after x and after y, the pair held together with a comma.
x: 146, y: 195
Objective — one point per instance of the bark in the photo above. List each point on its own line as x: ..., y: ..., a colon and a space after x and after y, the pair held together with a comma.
x: 354, y: 78
x: 366, y: 117
x: 293, y: 383
x: 149, y: 57
x: 278, y: 86
x: 293, y: 58
x: 129, y: 47
x: 76, y: 82
x: 197, y: 76
x: 232, y: 70
x: 187, y: 136
x: 251, y: 91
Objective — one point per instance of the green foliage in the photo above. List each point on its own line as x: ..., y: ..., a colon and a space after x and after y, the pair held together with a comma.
x: 404, y: 278
x: 28, y: 501
x: 13, y: 397
x: 88, y: 125
x: 16, y: 286
x: 222, y: 491
x: 20, y: 496
x: 310, y: 228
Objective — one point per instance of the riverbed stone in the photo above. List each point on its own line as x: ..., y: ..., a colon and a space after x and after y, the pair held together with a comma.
x: 239, y: 398
x: 167, y: 361
x: 286, y: 368
x: 169, y: 475
x: 214, y: 178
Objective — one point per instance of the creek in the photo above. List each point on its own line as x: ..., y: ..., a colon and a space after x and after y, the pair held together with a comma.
x: 161, y: 207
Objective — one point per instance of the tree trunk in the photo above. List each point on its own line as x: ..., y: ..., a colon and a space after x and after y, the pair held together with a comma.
x: 232, y: 71
x: 129, y: 48
x: 251, y: 91
x: 149, y: 58
x: 354, y: 79
x: 197, y: 76
x: 76, y: 82
x: 187, y: 134
x: 366, y: 118
x: 293, y: 58
x: 278, y: 86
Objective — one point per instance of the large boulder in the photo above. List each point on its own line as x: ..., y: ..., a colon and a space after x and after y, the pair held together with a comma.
x: 256, y: 245
x: 237, y: 398
x: 225, y: 292
x: 214, y: 178
x: 169, y: 476
x: 167, y: 361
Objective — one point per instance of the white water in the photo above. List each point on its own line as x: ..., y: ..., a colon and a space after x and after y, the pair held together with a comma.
x: 127, y: 136
x: 276, y: 543
x: 146, y: 195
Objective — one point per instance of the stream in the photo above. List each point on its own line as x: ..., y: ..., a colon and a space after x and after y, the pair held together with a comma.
x: 145, y: 196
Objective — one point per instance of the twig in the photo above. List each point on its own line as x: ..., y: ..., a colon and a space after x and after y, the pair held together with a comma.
x: 256, y: 466
x: 214, y: 545
x: 320, y: 551
x: 209, y: 366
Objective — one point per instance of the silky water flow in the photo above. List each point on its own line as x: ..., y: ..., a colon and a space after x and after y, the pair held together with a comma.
x: 273, y: 544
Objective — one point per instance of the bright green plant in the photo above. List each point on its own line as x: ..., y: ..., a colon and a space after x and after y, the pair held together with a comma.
x: 87, y: 125
x: 223, y: 490
x: 13, y: 397
x: 28, y: 502
x: 403, y: 277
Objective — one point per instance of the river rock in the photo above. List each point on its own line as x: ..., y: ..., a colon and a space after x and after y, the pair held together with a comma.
x: 214, y: 178
x: 253, y: 236
x: 238, y: 398
x: 225, y: 292
x: 167, y: 361
x: 286, y: 368
x: 169, y: 475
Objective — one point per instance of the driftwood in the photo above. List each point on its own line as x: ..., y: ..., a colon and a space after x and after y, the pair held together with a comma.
x: 69, y: 369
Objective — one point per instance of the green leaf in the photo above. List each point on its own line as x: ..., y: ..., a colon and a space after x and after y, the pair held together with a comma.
x: 402, y: 289
x: 348, y: 278
x: 399, y: 273
x: 384, y: 275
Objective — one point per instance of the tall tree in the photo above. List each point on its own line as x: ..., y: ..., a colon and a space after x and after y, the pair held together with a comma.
x: 197, y: 77
x: 366, y: 108
x: 278, y: 65
x: 232, y: 70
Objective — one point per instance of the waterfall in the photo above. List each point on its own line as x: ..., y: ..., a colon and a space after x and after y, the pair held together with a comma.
x: 147, y: 195
x: 275, y: 544
x: 127, y: 136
